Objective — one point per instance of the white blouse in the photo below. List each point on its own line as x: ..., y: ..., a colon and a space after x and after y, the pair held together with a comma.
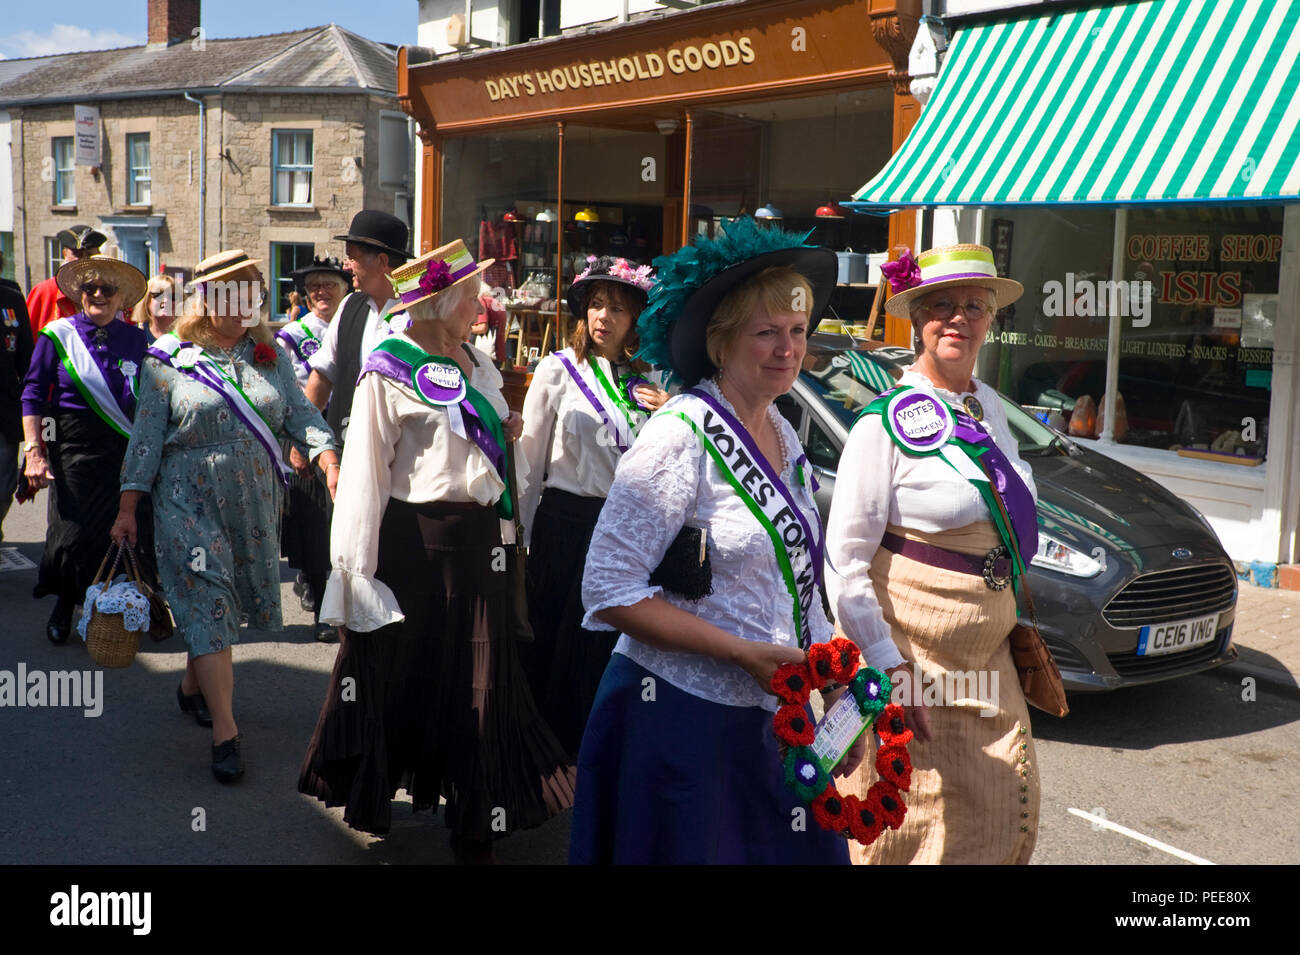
x: 876, y: 485
x: 318, y: 327
x: 565, y: 441
x: 376, y: 330
x: 402, y: 448
x: 664, y: 481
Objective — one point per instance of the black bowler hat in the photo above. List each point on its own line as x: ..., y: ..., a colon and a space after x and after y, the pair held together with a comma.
x: 81, y: 238
x: 329, y: 265
x: 378, y: 230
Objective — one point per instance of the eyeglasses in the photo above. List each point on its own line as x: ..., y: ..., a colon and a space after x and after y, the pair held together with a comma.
x: 321, y: 286
x: 92, y: 288
x: 944, y: 309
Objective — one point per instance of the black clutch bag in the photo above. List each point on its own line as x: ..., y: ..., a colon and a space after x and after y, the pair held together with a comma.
x: 685, y: 569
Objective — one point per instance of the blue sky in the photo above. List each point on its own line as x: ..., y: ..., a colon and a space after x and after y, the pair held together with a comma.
x: 36, y: 29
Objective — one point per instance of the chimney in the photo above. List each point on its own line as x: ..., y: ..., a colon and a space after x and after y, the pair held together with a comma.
x: 171, y: 21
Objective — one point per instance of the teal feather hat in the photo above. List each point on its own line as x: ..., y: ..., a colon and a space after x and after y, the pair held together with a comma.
x: 693, y: 281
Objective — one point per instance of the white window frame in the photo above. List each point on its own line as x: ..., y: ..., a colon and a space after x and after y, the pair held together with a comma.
x: 292, y: 169
x: 137, y: 176
x: 65, y: 178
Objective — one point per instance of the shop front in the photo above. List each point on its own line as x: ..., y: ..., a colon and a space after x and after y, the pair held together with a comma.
x: 630, y: 140
x: 1144, y: 190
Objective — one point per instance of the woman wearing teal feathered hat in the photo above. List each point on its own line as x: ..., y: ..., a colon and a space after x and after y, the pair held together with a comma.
x: 679, y: 763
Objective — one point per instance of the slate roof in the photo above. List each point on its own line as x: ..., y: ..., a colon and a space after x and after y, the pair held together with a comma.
x: 326, y: 58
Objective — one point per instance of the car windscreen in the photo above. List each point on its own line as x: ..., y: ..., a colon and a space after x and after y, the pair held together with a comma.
x: 846, y: 380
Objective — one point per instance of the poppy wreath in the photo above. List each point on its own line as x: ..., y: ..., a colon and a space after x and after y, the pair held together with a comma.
x: 827, y: 665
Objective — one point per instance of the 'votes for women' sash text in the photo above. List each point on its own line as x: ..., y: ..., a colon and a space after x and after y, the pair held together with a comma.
x: 799, y: 551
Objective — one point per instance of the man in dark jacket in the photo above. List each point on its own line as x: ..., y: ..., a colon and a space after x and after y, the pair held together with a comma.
x: 15, y: 354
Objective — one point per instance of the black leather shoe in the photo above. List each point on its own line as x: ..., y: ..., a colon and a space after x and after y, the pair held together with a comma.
x: 196, y: 705
x: 327, y: 633
x: 227, y: 765
x: 60, y: 623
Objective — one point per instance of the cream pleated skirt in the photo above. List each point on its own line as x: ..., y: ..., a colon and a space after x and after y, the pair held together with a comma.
x: 975, y: 794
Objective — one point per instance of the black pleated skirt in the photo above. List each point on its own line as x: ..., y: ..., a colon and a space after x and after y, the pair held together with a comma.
x: 86, y: 460
x: 438, y: 704
x: 565, y: 662
x: 305, y: 526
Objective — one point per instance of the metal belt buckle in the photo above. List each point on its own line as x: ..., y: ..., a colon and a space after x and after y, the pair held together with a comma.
x: 990, y: 561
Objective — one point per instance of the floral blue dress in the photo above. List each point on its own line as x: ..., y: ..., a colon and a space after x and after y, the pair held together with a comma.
x: 216, y: 496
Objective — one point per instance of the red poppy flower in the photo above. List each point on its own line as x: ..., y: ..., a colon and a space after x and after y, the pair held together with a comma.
x: 891, y: 726
x: 793, y: 726
x: 844, y: 659
x: 791, y: 683
x: 820, y: 666
x: 895, y: 765
x: 865, y: 823
x: 889, y: 800
x: 264, y: 354
x: 828, y: 810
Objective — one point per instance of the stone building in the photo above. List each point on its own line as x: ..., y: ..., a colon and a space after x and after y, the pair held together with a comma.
x: 267, y: 143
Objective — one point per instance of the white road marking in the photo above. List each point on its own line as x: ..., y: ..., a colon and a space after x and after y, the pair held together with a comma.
x: 1146, y: 840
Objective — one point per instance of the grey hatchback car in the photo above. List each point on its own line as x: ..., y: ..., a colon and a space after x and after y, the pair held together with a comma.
x: 1131, y: 585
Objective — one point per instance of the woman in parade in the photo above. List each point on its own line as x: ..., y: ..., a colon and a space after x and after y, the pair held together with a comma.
x: 78, y: 404
x: 918, y: 533
x: 441, y: 706
x: 582, y: 409
x: 214, y: 396
x: 679, y: 762
x: 305, y: 530
x: 156, y: 311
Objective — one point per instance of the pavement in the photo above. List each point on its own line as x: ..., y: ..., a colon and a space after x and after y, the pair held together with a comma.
x: 1267, y: 637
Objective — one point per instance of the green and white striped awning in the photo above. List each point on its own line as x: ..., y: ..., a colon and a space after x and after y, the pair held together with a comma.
x: 1156, y: 101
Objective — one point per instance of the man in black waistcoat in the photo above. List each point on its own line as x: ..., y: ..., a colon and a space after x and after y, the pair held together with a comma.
x: 15, y: 355
x: 376, y: 244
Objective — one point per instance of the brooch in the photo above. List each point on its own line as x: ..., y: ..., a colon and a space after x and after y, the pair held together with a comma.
x: 973, y: 407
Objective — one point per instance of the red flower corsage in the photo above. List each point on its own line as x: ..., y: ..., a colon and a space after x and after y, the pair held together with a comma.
x: 891, y: 727
x: 865, y: 824
x: 828, y: 810
x: 893, y: 764
x: 844, y: 659
x: 883, y: 797
x: 264, y: 354
x: 790, y: 683
x: 792, y: 726
x: 821, y: 665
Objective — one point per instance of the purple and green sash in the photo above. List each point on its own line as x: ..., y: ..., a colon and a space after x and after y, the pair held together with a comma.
x: 193, y: 362
x: 920, y: 423
x: 633, y: 415
x: 439, y: 383
x: 302, y: 341
x: 799, y: 551
x: 88, y: 378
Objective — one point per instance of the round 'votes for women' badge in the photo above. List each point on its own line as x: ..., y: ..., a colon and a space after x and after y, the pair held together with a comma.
x: 920, y: 422
x: 440, y: 384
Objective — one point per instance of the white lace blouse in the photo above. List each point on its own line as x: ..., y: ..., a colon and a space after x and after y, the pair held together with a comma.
x: 666, y: 480
x: 876, y: 485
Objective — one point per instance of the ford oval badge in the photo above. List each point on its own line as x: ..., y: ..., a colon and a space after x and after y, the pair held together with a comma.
x: 1182, y: 553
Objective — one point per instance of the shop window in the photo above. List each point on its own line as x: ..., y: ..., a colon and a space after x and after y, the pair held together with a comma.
x: 286, y: 257
x: 65, y: 184
x: 1197, y: 302
x: 139, y: 183
x: 291, y: 163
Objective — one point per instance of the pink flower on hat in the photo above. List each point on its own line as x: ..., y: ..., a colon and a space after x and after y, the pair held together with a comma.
x: 902, y: 274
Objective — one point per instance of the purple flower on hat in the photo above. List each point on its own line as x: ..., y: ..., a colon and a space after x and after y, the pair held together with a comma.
x: 436, y: 277
x: 903, y: 274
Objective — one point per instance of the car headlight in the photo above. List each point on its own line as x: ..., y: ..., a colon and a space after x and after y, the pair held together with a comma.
x: 1055, y: 555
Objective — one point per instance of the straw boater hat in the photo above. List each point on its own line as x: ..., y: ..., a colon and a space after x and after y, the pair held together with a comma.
x: 694, y: 280
x: 128, y: 279
x: 220, y: 265
x: 433, y: 273
x: 941, y: 268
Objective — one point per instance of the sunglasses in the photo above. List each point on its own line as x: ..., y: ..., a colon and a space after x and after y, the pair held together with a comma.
x: 91, y: 288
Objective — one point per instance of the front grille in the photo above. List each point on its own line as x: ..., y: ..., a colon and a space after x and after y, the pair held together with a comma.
x: 1130, y: 664
x: 1168, y: 595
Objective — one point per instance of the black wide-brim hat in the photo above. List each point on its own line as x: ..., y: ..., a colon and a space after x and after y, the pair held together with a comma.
x: 689, y: 333
x: 638, y: 286
x: 330, y: 265
x: 378, y: 230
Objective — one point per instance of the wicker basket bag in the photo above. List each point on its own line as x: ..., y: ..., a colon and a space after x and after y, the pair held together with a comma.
x: 108, y: 640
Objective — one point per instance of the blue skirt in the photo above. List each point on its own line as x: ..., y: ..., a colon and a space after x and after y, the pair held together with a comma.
x: 679, y: 780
